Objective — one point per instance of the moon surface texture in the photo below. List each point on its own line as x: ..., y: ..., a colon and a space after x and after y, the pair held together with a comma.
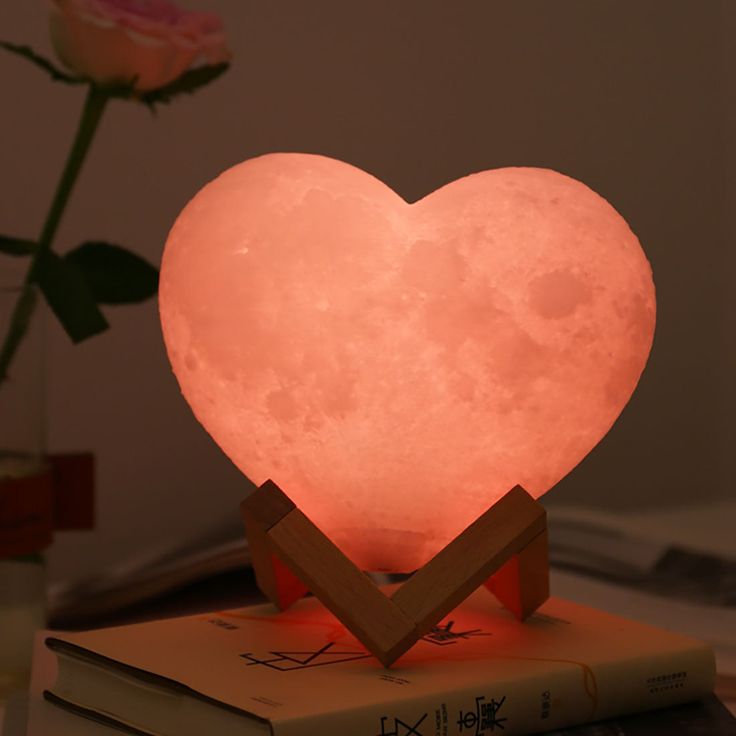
x: 396, y: 368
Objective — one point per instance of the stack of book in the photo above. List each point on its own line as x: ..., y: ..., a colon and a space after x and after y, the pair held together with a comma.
x: 480, y: 672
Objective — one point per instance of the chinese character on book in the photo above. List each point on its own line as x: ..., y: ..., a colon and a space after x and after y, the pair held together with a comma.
x: 400, y: 728
x: 444, y: 635
x: 671, y: 681
x: 484, y: 719
x: 287, y: 661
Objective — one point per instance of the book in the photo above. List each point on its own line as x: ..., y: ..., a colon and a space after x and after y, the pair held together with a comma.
x: 29, y: 714
x: 258, y: 671
x: 707, y: 717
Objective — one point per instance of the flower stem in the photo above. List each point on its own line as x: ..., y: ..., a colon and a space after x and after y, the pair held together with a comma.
x: 94, y: 106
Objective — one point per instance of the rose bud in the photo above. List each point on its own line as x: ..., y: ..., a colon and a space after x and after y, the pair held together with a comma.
x: 146, y: 43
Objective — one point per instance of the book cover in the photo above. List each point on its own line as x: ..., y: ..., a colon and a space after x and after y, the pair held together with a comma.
x: 478, y: 672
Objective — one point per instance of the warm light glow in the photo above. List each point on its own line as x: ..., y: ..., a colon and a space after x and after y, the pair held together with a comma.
x: 397, y: 368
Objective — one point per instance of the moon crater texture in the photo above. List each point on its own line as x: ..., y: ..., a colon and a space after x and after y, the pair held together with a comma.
x: 395, y: 367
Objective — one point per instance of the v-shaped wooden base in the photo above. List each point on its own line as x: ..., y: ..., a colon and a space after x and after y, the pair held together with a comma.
x: 505, y: 549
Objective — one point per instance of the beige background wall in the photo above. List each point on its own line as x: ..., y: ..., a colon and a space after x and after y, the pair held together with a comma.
x: 627, y: 95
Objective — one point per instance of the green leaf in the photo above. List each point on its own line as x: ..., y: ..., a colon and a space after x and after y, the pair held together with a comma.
x: 16, y: 246
x: 115, y: 275
x: 187, y: 83
x: 28, y: 53
x: 70, y: 297
x: 18, y: 326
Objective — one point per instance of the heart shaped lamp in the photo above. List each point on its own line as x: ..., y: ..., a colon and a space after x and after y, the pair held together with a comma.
x: 396, y: 367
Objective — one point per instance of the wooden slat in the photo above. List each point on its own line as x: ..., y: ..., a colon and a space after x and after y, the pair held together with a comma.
x: 288, y: 586
x: 467, y: 562
x: 260, y: 555
x: 274, y: 579
x: 351, y: 596
x: 290, y: 554
x: 267, y: 505
x: 522, y: 584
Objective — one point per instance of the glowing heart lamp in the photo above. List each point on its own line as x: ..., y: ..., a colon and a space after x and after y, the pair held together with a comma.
x: 397, y: 368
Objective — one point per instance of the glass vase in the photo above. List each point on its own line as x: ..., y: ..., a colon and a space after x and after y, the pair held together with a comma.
x: 22, y: 451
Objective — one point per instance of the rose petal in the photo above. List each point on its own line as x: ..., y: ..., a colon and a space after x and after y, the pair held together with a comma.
x: 118, y: 41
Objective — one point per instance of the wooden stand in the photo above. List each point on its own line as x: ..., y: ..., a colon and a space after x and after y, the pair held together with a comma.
x: 505, y: 549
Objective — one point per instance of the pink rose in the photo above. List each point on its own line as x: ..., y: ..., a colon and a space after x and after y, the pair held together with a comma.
x: 150, y: 41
